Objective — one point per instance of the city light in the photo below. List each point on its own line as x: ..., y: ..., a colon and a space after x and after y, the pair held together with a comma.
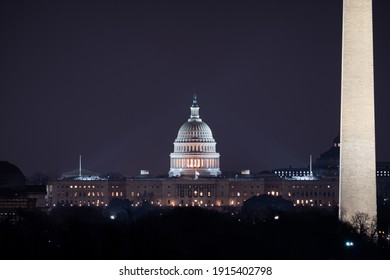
x: 349, y: 243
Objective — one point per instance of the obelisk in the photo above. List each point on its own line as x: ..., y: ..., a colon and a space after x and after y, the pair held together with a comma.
x: 357, y: 131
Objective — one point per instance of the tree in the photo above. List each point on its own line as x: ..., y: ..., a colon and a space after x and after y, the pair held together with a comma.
x: 364, y: 225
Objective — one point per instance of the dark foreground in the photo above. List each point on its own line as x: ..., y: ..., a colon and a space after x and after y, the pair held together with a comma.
x: 183, y: 233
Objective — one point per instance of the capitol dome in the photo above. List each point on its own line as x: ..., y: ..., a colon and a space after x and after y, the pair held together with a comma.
x: 194, y: 131
x: 194, y: 148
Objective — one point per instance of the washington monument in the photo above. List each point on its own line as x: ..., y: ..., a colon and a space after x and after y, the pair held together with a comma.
x: 357, y: 131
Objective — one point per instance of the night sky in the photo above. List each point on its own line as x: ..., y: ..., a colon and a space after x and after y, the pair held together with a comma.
x: 113, y: 81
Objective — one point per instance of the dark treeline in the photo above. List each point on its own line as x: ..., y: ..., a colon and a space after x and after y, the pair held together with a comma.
x: 147, y: 232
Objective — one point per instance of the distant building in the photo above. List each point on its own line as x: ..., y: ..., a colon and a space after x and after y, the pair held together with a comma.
x: 291, y: 172
x: 383, y: 181
x: 15, y: 195
x: 327, y: 165
x: 194, y: 179
x: 194, y: 149
x: 79, y: 187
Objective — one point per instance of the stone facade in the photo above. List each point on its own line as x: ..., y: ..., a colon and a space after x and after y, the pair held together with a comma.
x: 204, y: 192
x: 357, y: 134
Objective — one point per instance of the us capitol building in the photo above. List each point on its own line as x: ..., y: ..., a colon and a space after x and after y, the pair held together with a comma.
x: 194, y: 148
x: 194, y: 179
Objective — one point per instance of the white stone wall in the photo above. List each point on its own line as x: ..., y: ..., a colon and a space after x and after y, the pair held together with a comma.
x: 357, y: 149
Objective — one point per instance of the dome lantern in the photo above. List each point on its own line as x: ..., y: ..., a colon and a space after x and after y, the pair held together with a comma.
x: 194, y: 110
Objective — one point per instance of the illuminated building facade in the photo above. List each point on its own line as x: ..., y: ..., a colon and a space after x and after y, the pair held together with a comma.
x: 194, y: 149
x: 185, y: 191
x: 83, y: 187
x: 195, y: 179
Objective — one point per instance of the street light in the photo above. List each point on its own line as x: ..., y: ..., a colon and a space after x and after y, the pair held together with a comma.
x: 349, y: 243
